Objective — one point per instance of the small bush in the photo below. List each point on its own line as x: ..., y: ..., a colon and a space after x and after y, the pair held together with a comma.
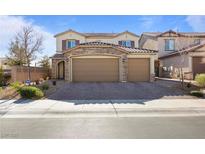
x: 200, y: 79
x: 31, y: 92
x: 45, y: 87
x: 197, y: 93
x: 1, y: 89
x: 16, y: 85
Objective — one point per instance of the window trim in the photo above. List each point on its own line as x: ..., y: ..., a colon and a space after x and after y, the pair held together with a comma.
x: 165, y: 45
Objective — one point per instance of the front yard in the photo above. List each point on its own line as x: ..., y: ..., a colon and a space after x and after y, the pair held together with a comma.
x: 160, y: 89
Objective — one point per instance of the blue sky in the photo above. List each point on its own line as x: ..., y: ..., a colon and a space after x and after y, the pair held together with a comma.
x: 136, y: 24
x: 50, y: 25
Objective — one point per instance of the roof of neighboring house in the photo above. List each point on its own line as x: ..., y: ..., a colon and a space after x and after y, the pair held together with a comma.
x: 127, y: 49
x: 151, y: 33
x: 95, y: 34
x: 156, y: 34
x: 190, y: 48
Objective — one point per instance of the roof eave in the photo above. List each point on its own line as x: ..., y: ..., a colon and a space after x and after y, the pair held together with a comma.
x: 67, y: 31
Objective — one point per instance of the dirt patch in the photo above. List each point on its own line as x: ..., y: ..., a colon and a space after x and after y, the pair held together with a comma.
x: 9, y: 93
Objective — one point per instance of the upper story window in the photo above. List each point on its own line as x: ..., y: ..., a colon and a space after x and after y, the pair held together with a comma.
x: 169, y: 45
x: 127, y: 43
x: 67, y: 44
x: 197, y: 41
x: 71, y: 43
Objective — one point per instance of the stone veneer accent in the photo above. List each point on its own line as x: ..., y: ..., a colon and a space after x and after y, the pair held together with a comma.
x: 93, y: 51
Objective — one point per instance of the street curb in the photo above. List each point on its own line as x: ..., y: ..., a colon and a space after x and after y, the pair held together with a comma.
x: 103, y: 113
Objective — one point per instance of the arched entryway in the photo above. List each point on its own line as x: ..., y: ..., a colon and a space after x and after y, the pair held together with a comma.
x: 61, y: 70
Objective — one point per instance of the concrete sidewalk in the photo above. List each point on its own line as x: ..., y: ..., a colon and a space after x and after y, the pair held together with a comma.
x: 101, y: 108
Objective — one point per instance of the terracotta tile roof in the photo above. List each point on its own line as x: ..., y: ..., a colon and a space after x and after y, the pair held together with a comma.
x: 128, y: 49
x: 58, y: 56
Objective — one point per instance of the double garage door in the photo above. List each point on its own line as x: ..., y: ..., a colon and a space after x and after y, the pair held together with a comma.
x: 107, y: 69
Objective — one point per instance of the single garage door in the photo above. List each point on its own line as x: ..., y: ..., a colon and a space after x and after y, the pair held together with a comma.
x: 95, y: 69
x: 138, y: 69
x: 198, y: 65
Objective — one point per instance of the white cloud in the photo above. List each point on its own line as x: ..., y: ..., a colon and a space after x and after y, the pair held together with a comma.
x: 149, y: 22
x: 197, y: 23
x: 10, y: 25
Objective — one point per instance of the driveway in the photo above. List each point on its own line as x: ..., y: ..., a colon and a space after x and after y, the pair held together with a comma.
x: 101, y: 91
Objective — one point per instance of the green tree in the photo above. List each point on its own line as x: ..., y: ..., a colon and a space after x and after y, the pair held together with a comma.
x: 45, y: 62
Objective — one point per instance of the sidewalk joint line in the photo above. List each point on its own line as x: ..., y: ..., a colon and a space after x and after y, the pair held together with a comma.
x: 114, y: 108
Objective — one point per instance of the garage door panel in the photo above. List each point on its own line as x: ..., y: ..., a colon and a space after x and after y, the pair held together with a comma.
x: 95, y: 69
x: 138, y: 69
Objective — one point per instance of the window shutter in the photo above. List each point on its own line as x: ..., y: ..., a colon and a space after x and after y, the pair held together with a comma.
x: 132, y: 44
x: 120, y: 42
x: 77, y: 42
x: 63, y: 44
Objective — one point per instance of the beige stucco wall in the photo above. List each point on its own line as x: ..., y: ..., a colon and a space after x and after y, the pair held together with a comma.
x: 176, y: 62
x: 20, y: 73
x: 150, y: 44
x: 114, y: 40
x: 180, y: 42
x: 173, y: 65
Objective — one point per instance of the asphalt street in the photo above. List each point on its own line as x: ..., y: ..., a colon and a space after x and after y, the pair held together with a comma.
x: 104, y: 128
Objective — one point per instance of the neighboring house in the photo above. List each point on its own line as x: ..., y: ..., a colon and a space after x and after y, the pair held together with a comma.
x: 176, y: 50
x: 99, y: 57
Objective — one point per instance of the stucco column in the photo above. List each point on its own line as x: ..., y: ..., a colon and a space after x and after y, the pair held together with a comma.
x: 190, y: 59
x: 152, y: 72
x: 123, y: 68
x: 53, y: 74
x: 67, y: 69
x: 190, y: 63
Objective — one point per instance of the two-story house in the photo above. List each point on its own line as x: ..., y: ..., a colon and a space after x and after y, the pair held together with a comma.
x: 176, y: 51
x: 99, y: 57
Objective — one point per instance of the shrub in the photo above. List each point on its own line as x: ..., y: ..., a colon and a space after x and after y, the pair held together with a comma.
x: 200, y: 79
x: 197, y: 93
x: 45, y: 87
x: 16, y: 85
x: 1, y: 89
x: 31, y: 92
